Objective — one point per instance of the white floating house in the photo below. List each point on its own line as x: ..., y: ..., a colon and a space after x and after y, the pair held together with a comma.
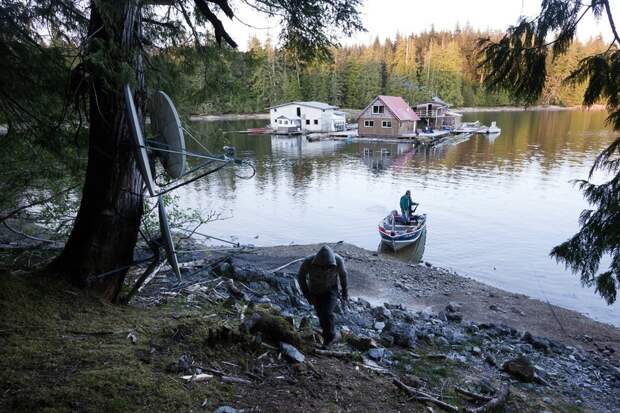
x: 307, y: 117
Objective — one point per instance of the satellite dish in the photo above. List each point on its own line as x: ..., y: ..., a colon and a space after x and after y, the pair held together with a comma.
x: 166, y: 236
x: 136, y: 132
x: 166, y: 126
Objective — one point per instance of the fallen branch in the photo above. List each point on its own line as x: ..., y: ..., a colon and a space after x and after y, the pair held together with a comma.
x: 498, y: 401
x: 472, y: 395
x: 425, y: 397
x: 37, y: 202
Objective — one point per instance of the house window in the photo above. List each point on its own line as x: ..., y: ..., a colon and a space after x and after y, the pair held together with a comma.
x: 298, y: 111
x: 378, y: 109
x: 369, y: 123
x: 275, y: 109
x: 316, y: 121
x: 280, y: 121
x: 307, y: 121
x: 286, y: 122
x: 386, y: 124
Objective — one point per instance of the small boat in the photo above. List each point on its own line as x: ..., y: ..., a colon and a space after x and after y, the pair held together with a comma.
x: 397, y: 235
x: 494, y: 128
x: 471, y: 127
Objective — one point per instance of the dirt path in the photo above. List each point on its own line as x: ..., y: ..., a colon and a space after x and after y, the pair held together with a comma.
x: 379, y: 279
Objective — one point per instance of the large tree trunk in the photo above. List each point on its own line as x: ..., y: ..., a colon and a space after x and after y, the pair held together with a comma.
x: 106, y: 228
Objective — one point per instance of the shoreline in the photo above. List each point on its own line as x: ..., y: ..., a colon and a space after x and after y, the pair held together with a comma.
x: 378, y: 278
x: 354, y: 112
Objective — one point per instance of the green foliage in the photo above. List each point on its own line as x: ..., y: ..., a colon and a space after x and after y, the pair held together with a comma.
x: 520, y: 62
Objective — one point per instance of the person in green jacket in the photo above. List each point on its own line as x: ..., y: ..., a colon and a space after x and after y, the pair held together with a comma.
x: 405, y: 207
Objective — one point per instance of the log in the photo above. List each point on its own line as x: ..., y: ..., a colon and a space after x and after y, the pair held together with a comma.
x: 425, y: 397
x: 197, y: 377
x: 472, y: 395
x: 499, y: 400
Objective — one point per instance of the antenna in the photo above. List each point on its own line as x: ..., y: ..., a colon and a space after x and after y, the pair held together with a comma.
x: 166, y: 237
x: 136, y: 133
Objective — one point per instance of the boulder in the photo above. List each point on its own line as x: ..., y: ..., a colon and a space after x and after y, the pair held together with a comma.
x: 376, y: 353
x: 381, y: 313
x: 272, y: 328
x: 453, y: 307
x: 539, y: 343
x: 404, y: 334
x: 456, y: 317
x: 520, y: 368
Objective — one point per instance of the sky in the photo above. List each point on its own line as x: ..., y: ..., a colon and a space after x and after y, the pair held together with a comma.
x: 385, y: 18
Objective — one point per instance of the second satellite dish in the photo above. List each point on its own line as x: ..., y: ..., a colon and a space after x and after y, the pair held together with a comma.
x: 166, y: 126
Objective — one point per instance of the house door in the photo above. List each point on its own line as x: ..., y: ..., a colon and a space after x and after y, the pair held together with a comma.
x: 298, y: 111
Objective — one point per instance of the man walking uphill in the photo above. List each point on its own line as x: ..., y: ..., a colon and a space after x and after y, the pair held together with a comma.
x: 318, y: 279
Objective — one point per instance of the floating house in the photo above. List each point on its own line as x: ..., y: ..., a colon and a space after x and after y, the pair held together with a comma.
x: 302, y: 117
x: 436, y: 114
x: 387, y: 116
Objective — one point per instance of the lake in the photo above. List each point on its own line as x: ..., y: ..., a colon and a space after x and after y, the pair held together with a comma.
x: 495, y: 207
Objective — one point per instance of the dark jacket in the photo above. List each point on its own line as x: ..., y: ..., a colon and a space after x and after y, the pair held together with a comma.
x: 319, y: 273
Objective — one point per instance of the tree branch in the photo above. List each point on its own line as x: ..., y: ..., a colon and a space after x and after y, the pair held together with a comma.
x: 611, y: 21
x: 220, y: 32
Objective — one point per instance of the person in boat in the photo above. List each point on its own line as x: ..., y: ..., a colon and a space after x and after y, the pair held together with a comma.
x: 318, y: 279
x: 406, y: 203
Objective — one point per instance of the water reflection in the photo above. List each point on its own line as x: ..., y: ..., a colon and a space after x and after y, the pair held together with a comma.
x: 497, y: 204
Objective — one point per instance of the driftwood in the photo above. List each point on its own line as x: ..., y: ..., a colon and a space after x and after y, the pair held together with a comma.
x: 499, y: 400
x: 425, y: 397
x: 471, y: 395
x: 332, y: 353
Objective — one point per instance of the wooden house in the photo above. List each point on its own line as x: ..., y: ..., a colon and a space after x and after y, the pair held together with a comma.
x: 307, y: 117
x: 387, y: 116
x: 435, y: 114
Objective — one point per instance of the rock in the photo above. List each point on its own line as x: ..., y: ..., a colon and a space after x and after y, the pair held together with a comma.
x: 442, y: 316
x: 381, y: 313
x: 456, y: 317
x: 361, y: 343
x: 547, y: 400
x: 182, y: 365
x: 490, y: 360
x: 363, y: 303
x: 376, y: 353
x: 453, y: 307
x: 476, y: 351
x: 272, y: 328
x: 379, y: 325
x: 442, y: 341
x: 412, y: 381
x: 520, y: 368
x: 401, y: 286
x: 539, y: 343
x: 404, y: 334
x: 225, y: 409
x: 291, y: 353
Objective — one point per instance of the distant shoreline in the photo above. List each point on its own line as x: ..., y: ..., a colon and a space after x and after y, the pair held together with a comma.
x: 352, y: 113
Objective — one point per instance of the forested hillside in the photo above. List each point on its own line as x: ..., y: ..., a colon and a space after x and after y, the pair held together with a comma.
x: 222, y: 80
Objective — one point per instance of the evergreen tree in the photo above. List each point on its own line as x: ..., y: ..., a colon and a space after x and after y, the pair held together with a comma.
x: 520, y: 61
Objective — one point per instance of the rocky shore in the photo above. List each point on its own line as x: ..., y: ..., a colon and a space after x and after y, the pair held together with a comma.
x: 482, y: 340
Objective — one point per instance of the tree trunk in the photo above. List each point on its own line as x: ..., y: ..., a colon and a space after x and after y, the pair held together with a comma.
x: 100, y: 247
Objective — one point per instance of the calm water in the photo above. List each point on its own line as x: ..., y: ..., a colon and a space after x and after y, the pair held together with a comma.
x: 495, y: 206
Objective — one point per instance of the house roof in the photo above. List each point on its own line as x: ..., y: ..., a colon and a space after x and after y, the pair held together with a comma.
x: 312, y: 104
x: 397, y: 105
x: 436, y: 100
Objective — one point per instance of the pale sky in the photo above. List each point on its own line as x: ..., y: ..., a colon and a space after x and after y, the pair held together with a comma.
x: 384, y: 18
